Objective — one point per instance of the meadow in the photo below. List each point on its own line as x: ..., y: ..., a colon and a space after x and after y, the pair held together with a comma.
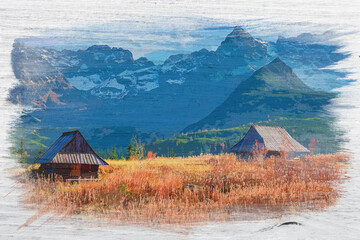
x: 193, y: 189
x: 217, y: 141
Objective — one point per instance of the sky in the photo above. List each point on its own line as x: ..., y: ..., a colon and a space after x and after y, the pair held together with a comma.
x: 156, y: 40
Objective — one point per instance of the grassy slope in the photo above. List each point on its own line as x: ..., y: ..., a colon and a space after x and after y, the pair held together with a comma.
x: 219, y: 140
x: 273, y: 91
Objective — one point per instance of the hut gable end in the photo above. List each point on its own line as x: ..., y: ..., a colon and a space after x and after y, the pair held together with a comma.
x: 248, y: 142
x: 71, y: 148
x: 275, y: 139
x: 77, y: 144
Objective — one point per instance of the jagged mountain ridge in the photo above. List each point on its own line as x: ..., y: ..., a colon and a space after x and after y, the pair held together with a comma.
x: 187, y: 86
x: 113, y: 73
x: 101, y: 70
x: 105, y: 92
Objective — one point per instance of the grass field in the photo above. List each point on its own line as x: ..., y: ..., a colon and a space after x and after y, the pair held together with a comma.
x: 192, y: 189
x: 217, y: 141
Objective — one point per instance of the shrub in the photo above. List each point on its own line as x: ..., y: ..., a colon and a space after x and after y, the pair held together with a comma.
x: 150, y: 155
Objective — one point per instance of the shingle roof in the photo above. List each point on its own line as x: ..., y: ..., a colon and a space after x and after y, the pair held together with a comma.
x: 56, y: 147
x: 78, y: 158
x: 275, y: 139
x: 53, y: 154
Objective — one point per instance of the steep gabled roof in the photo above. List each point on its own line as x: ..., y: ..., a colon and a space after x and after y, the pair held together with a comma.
x: 275, y: 139
x: 54, y: 154
x: 61, y: 142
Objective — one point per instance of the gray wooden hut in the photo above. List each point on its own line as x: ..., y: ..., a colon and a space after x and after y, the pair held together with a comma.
x: 71, y: 157
x: 273, y: 139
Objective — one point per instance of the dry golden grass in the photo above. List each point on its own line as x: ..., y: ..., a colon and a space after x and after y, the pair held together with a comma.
x: 201, y: 188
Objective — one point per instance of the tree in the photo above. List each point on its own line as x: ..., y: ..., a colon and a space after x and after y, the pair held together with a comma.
x: 113, y: 153
x: 222, y: 145
x: 135, y: 149
x: 40, y: 152
x: 259, y: 152
x: 154, y: 140
x: 312, y: 145
x: 21, y: 151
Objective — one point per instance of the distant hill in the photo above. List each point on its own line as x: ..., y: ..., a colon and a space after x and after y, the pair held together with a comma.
x: 220, y: 140
x: 310, y: 55
x: 271, y: 92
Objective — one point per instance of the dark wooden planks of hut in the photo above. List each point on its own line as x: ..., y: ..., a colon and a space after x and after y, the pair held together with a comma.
x: 71, y: 157
x: 272, y: 140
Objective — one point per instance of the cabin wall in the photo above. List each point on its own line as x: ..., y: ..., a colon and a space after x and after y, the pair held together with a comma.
x: 72, y: 170
x: 57, y: 169
x: 272, y: 153
x: 249, y: 155
x: 242, y: 156
x: 89, y: 171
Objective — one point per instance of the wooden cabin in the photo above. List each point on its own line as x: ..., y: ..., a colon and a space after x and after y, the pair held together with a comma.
x: 273, y: 140
x: 71, y: 157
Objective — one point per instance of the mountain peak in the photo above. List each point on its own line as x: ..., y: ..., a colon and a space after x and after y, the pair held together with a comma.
x: 277, y: 60
x: 107, y: 53
x: 278, y: 75
x: 97, y: 48
x: 278, y: 64
x: 240, y: 43
x: 239, y: 33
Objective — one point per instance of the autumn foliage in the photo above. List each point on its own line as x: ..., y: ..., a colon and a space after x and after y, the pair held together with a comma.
x: 150, y: 155
x: 202, y: 188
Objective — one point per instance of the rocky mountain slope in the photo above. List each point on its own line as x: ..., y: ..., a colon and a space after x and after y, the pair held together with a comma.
x: 271, y: 92
x: 108, y: 86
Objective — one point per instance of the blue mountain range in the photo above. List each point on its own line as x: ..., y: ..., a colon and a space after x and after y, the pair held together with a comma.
x: 110, y: 96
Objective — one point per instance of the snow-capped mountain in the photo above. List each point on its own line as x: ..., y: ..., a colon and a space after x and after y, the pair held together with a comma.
x: 111, y: 95
x: 101, y: 70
